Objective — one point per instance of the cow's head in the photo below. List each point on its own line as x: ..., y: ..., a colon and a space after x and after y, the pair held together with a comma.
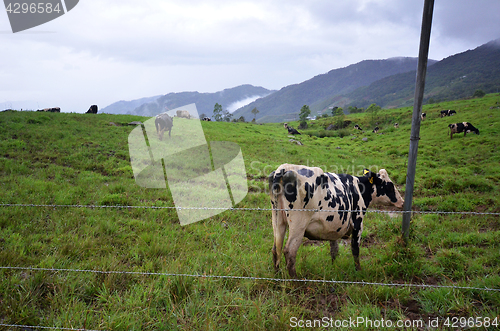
x: 384, y: 190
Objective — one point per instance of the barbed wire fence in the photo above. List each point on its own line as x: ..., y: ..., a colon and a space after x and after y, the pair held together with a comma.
x: 323, y: 281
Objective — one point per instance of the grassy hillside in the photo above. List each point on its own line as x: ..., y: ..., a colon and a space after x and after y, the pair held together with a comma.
x: 83, y: 159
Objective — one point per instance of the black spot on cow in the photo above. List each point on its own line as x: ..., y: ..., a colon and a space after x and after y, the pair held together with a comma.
x: 288, y: 183
x: 309, y: 192
x: 305, y: 172
x: 338, y: 230
x: 330, y: 218
x: 322, y: 181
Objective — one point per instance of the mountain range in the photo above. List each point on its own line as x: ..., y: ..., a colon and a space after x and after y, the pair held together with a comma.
x: 228, y: 98
x: 388, y: 83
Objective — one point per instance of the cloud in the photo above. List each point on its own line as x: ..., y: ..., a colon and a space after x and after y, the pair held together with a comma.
x: 104, y: 51
x: 238, y: 104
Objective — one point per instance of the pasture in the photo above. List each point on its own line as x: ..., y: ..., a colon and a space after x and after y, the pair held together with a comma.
x: 82, y: 159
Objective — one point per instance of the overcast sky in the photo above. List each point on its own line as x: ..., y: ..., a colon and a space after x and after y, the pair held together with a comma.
x: 103, y: 51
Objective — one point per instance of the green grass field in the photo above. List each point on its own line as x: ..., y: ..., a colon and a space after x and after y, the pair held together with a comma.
x: 82, y: 159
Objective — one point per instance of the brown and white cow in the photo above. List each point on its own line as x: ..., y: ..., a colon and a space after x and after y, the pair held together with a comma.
x: 163, y: 122
x: 183, y: 114
x: 323, y: 206
x: 464, y: 127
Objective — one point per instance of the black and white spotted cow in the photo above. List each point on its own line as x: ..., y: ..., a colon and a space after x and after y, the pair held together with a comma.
x: 323, y: 206
x: 51, y: 110
x: 163, y: 122
x: 464, y: 127
x: 290, y: 129
x: 357, y: 127
x: 423, y: 116
x: 375, y: 130
x: 448, y: 112
x: 92, y: 110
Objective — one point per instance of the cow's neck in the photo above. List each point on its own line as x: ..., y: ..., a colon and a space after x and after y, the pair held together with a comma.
x: 366, y: 189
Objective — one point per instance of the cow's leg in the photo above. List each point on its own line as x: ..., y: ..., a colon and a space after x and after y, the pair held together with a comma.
x: 334, y: 249
x: 160, y: 135
x: 169, y: 130
x: 356, y: 240
x: 279, y: 229
x: 297, y: 228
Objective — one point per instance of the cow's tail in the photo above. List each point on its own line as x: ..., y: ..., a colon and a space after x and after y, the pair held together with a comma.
x: 280, y: 183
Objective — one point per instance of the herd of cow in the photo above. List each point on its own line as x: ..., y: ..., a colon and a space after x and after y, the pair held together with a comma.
x: 464, y: 127
x: 92, y: 110
x: 326, y: 206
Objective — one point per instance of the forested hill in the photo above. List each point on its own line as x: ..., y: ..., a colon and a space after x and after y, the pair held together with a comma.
x: 318, y: 91
x: 204, y: 101
x: 455, y: 77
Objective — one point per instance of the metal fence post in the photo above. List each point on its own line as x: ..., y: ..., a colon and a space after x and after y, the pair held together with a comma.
x: 423, y: 54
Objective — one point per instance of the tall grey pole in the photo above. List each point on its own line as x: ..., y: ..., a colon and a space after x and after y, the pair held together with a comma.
x: 425, y: 36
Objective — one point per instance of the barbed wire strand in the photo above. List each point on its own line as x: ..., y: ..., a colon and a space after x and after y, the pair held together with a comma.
x: 254, y: 278
x: 248, y: 209
x: 232, y: 277
x: 42, y: 327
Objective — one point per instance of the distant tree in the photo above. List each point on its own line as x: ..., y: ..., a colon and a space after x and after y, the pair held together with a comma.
x: 226, y: 116
x: 241, y: 119
x: 202, y: 116
x: 354, y: 110
x: 304, y: 113
x: 334, y: 109
x: 338, y: 114
x: 478, y: 94
x: 218, y: 112
x: 373, y: 110
x: 255, y: 111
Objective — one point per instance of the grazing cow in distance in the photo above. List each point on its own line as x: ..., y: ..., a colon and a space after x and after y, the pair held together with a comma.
x: 464, y: 127
x: 163, y: 122
x: 396, y: 125
x: 323, y: 206
x: 92, y: 110
x: 183, y: 114
x: 357, y: 127
x: 290, y: 129
x: 376, y: 129
x: 423, y: 116
x: 448, y: 112
x: 207, y: 119
x: 51, y: 110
